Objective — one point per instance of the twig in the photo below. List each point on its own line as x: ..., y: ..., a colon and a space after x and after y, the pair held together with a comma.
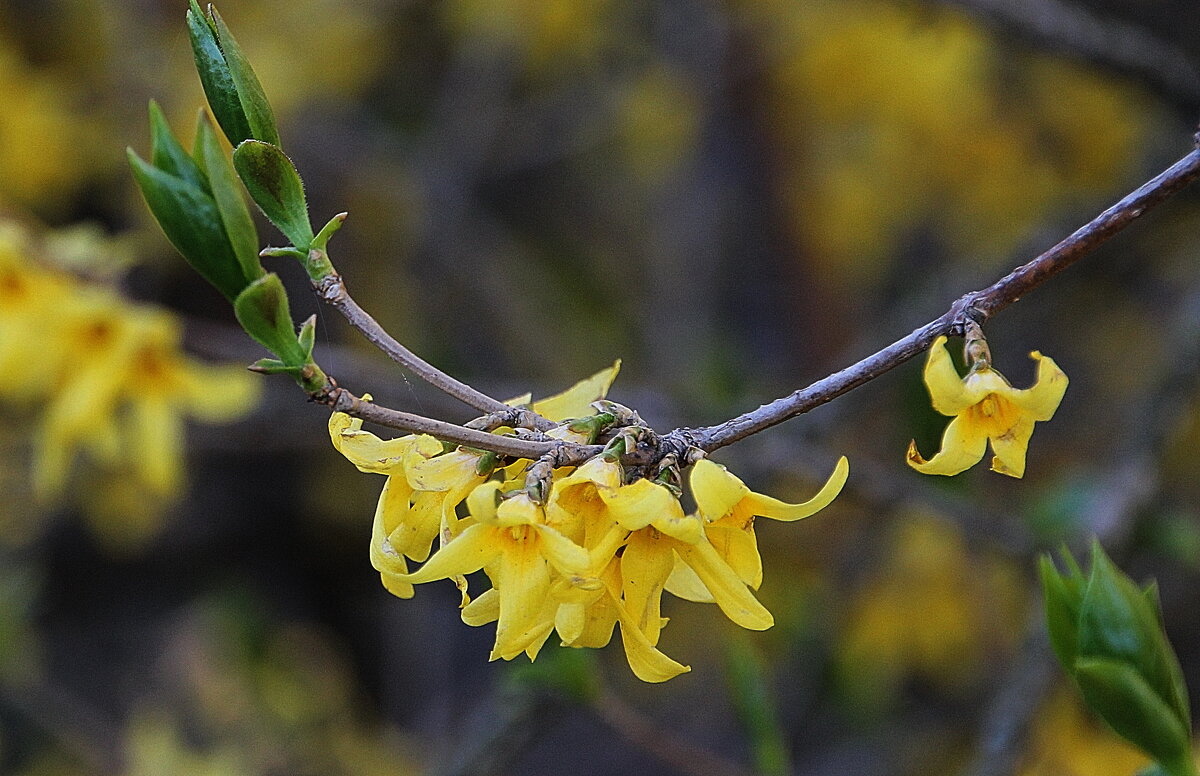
x: 977, y: 306
x: 333, y: 290
x: 342, y: 400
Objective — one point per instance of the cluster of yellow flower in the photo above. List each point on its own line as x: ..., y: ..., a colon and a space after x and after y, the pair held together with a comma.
x: 107, y: 378
x: 594, y: 552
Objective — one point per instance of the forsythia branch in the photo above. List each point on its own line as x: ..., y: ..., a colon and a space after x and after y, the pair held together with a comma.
x: 976, y: 306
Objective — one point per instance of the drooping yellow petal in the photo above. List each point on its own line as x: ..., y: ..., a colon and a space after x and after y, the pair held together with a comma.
x: 473, y: 549
x: 647, y: 663
x: 683, y: 583
x: 484, y: 609
x: 716, y: 490
x: 963, y: 444
x: 216, y: 394
x: 565, y: 555
x: 389, y: 563
x: 950, y: 396
x: 574, y: 402
x: 645, y: 566
x: 739, y: 548
x: 365, y: 450
x: 1011, y: 446
x: 729, y: 592
x: 765, y: 506
x: 1042, y: 399
x: 524, y: 586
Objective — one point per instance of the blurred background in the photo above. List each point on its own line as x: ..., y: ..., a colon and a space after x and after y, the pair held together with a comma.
x: 735, y: 197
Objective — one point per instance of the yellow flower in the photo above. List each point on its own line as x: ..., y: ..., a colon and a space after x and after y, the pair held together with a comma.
x: 986, y: 408
x: 728, y: 509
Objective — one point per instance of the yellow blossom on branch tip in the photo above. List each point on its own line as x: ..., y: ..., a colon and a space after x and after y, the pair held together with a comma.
x: 986, y: 408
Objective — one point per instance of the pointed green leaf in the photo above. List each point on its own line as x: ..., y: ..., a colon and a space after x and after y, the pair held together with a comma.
x: 262, y: 310
x: 322, y: 239
x: 274, y: 184
x: 1122, y: 698
x: 191, y: 221
x: 227, y: 193
x: 215, y: 77
x: 273, y: 366
x: 249, y: 91
x: 168, y: 155
x: 1062, y: 612
x: 1117, y: 622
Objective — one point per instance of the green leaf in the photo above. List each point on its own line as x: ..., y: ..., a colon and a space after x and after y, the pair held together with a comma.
x: 262, y: 310
x: 1125, y: 701
x: 227, y: 193
x: 168, y: 155
x: 1062, y: 612
x: 249, y: 91
x: 192, y: 222
x: 218, y: 83
x: 274, y: 184
x: 1118, y: 622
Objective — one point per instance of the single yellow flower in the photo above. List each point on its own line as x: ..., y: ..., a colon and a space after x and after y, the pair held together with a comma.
x: 728, y: 509
x: 986, y: 408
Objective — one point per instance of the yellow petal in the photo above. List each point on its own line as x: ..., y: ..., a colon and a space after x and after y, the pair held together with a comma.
x: 1042, y: 400
x: 1010, y: 448
x: 389, y: 563
x: 739, y: 548
x: 467, y: 553
x: 441, y: 472
x: 765, y: 506
x: 365, y: 450
x: 647, y: 663
x: 641, y: 503
x: 569, y: 621
x: 484, y: 609
x: 524, y: 585
x: 574, y: 402
x: 412, y: 534
x: 519, y: 510
x: 946, y: 389
x: 716, y: 490
x: 963, y: 444
x: 483, y: 501
x: 565, y: 555
x: 729, y: 592
x: 683, y: 583
x: 645, y: 566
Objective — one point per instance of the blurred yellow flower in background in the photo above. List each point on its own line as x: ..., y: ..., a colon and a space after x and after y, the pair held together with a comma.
x: 986, y: 408
x: 106, y: 381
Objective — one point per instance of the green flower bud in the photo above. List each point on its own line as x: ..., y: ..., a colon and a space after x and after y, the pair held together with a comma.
x: 1107, y: 633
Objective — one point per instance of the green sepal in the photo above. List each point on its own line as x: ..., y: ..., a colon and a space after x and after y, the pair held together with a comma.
x: 262, y: 310
x: 192, y: 222
x: 168, y: 155
x: 1126, y: 702
x: 274, y: 184
x: 218, y: 83
x: 250, y: 93
x: 308, y: 336
x: 227, y: 193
